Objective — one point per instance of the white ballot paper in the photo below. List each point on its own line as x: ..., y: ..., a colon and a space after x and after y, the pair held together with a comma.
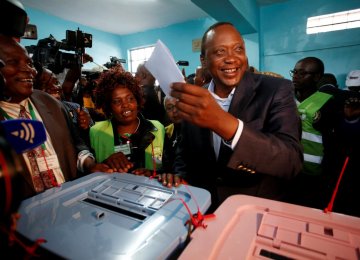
x: 163, y: 67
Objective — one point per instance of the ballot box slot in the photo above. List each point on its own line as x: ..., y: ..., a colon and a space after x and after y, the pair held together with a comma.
x: 136, y: 198
x: 273, y: 255
x: 115, y: 209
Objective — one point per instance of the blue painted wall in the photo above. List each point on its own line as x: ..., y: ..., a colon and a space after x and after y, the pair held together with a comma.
x: 284, y: 40
x: 178, y: 38
x: 280, y: 42
x: 104, y: 44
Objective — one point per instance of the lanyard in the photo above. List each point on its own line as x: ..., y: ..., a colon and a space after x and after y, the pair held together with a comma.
x: 5, y: 114
x: 32, y: 113
x: 125, y: 137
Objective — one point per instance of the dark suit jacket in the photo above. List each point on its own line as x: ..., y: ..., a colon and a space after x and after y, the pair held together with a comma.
x: 268, y: 152
x: 64, y: 137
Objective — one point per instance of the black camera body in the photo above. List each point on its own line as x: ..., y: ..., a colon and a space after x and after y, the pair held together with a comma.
x: 77, y: 40
x: 48, y: 51
x: 114, y: 61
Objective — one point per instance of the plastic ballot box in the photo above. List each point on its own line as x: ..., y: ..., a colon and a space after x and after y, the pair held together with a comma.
x: 248, y: 227
x: 111, y: 216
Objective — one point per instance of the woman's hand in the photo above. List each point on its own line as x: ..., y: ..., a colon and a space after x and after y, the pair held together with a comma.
x: 118, y: 162
x: 101, y: 167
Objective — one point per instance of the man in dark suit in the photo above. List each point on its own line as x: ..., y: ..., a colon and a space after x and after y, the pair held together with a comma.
x: 242, y: 134
x: 64, y: 154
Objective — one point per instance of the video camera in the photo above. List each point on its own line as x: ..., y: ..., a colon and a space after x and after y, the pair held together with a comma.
x: 113, y: 62
x: 47, y: 51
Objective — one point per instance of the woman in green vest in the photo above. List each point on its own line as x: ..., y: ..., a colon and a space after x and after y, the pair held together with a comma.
x: 126, y: 141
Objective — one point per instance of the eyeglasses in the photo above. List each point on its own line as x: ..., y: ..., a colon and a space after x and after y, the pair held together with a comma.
x: 300, y: 73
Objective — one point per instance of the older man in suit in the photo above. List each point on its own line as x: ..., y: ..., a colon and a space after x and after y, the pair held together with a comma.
x: 64, y: 155
x: 242, y: 134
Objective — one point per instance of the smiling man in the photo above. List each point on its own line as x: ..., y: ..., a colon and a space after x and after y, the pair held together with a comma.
x: 64, y: 154
x: 242, y: 134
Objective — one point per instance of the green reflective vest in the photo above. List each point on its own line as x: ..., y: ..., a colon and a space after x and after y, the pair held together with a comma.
x: 311, y: 138
x: 102, y: 141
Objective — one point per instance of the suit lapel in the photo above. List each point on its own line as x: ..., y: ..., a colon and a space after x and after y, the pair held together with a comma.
x: 244, y: 93
x: 46, y: 114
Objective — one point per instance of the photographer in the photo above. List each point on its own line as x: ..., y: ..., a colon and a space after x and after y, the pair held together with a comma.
x: 72, y: 76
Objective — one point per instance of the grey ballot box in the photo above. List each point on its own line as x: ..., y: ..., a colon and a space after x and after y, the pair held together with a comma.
x: 111, y: 216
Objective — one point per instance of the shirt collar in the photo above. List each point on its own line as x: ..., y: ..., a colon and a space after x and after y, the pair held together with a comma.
x: 223, y: 102
x: 15, y: 106
x: 211, y: 88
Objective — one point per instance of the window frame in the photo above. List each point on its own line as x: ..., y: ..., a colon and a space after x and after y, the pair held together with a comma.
x: 333, y: 22
x: 134, y: 62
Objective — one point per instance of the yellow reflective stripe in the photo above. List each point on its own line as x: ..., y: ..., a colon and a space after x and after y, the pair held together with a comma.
x: 312, y: 158
x: 312, y: 137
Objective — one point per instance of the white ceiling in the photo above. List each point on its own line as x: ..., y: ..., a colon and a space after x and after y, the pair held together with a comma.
x: 123, y: 16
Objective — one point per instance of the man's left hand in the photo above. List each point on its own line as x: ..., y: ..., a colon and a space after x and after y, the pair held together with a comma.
x: 169, y: 180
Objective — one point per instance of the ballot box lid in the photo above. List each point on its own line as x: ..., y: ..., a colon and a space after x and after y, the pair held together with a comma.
x: 248, y: 227
x: 111, y: 216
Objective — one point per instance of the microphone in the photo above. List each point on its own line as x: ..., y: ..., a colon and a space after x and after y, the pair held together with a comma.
x: 23, y: 134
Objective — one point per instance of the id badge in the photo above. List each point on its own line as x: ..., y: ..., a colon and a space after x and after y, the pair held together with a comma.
x: 51, y: 163
x: 124, y: 148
